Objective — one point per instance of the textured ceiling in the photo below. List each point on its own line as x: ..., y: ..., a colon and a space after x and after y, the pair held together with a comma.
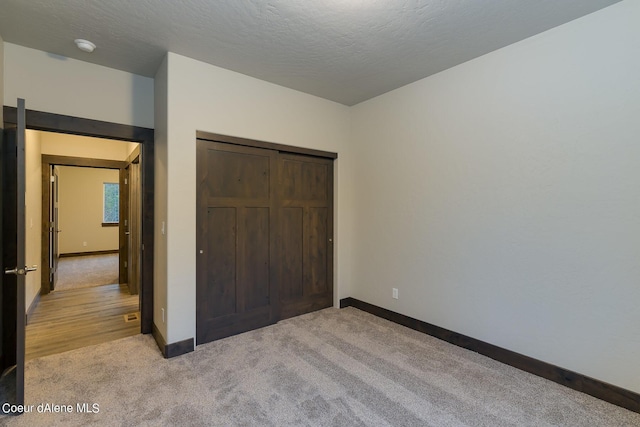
x: 343, y: 50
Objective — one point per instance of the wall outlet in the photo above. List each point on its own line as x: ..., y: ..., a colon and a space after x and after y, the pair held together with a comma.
x: 394, y: 293
x: 84, y: 243
x: 162, y: 310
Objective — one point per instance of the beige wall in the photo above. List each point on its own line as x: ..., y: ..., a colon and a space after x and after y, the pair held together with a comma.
x: 130, y: 147
x: 80, y: 210
x: 33, y: 214
x: 208, y: 98
x: 67, y: 86
x: 81, y: 146
x: 501, y: 197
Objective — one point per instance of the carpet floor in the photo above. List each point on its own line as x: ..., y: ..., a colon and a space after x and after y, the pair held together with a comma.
x: 328, y: 368
x: 87, y: 271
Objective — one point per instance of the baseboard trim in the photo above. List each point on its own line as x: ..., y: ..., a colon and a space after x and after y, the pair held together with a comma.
x: 157, y: 336
x: 596, y: 388
x: 32, y: 307
x: 73, y: 254
x: 179, y: 348
x: 174, y: 349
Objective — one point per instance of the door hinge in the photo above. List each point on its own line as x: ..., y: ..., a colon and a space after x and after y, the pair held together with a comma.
x: 125, y: 264
x: 53, y: 178
x: 125, y: 181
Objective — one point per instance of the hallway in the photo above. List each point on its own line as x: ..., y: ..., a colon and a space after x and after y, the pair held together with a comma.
x: 86, y: 271
x: 78, y: 318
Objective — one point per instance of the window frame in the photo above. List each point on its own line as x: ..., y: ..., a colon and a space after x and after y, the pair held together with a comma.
x: 104, y: 205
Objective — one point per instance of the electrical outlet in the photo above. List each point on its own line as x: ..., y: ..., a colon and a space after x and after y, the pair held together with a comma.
x: 394, y: 293
x: 84, y: 243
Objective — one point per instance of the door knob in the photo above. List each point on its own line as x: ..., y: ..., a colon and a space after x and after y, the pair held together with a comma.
x: 21, y: 271
x: 14, y: 271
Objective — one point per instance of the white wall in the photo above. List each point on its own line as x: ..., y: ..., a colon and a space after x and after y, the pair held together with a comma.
x: 207, y: 98
x: 33, y: 214
x: 160, y: 199
x: 80, y: 210
x: 61, y: 85
x: 502, y: 197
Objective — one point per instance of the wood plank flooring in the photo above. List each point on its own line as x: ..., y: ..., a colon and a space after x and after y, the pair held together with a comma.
x: 66, y: 320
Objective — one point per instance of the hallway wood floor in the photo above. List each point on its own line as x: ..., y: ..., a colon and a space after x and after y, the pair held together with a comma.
x: 66, y: 320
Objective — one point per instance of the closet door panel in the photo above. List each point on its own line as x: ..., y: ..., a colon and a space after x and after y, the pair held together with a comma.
x: 305, y: 187
x: 254, y: 250
x: 316, y: 255
x: 236, y: 213
x: 220, y: 286
x: 291, y: 259
x: 238, y: 175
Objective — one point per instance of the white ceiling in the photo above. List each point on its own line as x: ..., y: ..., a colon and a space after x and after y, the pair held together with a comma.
x: 343, y: 50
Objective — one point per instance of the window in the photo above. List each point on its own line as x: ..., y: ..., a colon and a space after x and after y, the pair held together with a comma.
x: 111, y: 204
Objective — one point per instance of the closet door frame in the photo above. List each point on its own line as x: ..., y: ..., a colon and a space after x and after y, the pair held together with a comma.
x: 214, y: 137
x: 206, y: 137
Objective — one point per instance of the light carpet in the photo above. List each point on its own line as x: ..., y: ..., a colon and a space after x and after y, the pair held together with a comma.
x: 328, y: 368
x: 87, y: 271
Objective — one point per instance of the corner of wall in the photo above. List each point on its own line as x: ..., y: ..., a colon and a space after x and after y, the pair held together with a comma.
x: 160, y: 313
x: 470, y: 193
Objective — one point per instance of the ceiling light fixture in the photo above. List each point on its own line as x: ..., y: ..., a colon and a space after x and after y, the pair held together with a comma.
x: 85, y: 45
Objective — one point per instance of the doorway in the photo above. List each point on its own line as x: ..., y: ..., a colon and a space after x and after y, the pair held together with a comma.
x: 111, y: 131
x: 88, y: 290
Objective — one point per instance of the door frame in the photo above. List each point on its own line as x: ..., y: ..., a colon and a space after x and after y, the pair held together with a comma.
x: 216, y: 137
x: 130, y: 210
x: 51, y: 122
x: 49, y: 160
x: 125, y: 191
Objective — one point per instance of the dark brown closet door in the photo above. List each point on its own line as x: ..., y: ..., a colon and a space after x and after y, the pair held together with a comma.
x: 236, y: 218
x: 305, y: 186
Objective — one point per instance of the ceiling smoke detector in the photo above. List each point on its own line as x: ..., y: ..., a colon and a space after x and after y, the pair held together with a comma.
x: 85, y: 45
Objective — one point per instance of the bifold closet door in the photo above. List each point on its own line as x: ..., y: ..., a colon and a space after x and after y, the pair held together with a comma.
x: 236, y: 217
x: 305, y: 205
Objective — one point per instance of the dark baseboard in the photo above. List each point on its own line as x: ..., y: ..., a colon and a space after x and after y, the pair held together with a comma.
x: 159, y: 338
x: 70, y: 254
x: 32, y: 307
x: 174, y: 349
x: 596, y: 388
x: 179, y: 348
